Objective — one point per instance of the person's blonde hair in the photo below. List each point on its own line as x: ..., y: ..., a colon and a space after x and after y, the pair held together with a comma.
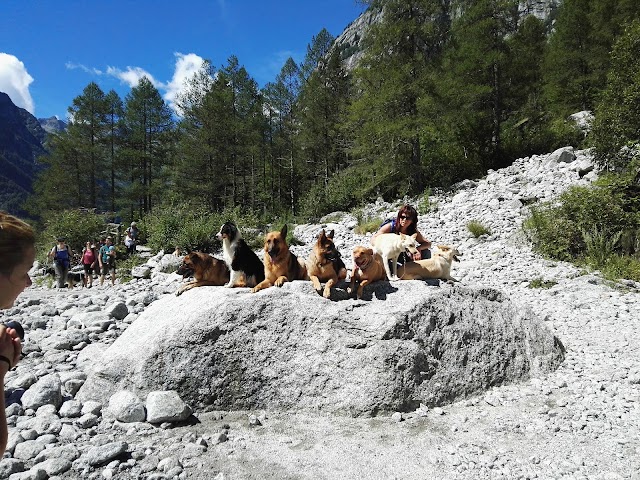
x: 16, y: 237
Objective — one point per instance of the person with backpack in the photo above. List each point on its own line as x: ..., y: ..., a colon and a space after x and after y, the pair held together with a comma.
x: 107, y: 261
x: 131, y: 238
x: 61, y: 256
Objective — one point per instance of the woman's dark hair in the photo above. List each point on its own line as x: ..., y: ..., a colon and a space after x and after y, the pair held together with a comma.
x: 16, y: 237
x: 410, y: 212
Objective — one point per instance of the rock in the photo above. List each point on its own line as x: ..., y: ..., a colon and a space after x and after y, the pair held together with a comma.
x: 103, y: 454
x: 141, y: 271
x: 126, y: 407
x: 561, y: 155
x: 55, y: 466
x: 9, y: 466
x: 117, y: 310
x: 432, y: 345
x: 28, y: 450
x: 166, y: 406
x: 47, y: 390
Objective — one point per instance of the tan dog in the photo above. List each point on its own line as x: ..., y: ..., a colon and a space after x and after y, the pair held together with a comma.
x: 325, y: 265
x: 280, y: 265
x: 390, y: 246
x: 367, y: 268
x: 438, y: 266
x: 206, y: 270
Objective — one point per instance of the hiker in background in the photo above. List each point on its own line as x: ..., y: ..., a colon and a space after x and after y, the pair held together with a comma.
x: 107, y: 261
x: 61, y: 256
x: 17, y: 253
x: 131, y: 238
x: 89, y: 262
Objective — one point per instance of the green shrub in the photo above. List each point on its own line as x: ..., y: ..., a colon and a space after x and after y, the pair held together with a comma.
x: 125, y: 265
x: 192, y: 227
x: 368, y: 226
x: 597, y: 227
x: 477, y: 229
x: 76, y: 226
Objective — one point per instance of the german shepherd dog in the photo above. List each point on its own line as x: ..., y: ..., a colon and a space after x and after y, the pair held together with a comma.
x: 280, y: 265
x: 239, y: 257
x: 325, y: 265
x: 205, y: 269
x: 72, y: 277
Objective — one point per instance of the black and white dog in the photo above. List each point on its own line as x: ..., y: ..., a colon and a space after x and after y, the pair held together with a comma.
x: 239, y: 257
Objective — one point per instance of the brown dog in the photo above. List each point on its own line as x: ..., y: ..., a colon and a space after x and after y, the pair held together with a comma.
x: 438, y: 266
x: 206, y: 270
x: 325, y: 265
x: 367, y: 267
x: 280, y: 265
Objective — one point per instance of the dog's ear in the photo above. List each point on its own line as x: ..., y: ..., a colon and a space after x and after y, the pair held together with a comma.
x: 369, y: 251
x: 330, y: 234
x: 415, y: 235
x: 322, y: 235
x: 283, y: 232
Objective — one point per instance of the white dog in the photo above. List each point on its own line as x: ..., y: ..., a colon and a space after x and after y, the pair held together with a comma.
x: 438, y: 266
x: 389, y: 246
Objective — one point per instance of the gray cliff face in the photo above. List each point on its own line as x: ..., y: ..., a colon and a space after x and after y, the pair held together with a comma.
x: 52, y: 124
x: 407, y: 343
x: 350, y: 40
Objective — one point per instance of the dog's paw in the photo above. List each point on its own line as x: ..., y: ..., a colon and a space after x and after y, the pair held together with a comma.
x: 327, y: 293
x: 394, y: 278
x: 254, y: 290
x: 228, y: 285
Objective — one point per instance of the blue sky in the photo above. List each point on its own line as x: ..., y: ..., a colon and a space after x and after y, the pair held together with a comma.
x: 51, y: 49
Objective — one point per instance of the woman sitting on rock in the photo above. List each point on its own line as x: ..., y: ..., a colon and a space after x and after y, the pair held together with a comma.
x: 407, y: 222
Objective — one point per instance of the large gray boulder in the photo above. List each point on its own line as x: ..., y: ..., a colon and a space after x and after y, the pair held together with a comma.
x: 288, y: 348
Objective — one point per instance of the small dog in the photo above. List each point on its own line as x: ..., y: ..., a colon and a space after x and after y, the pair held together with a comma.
x: 280, y: 265
x: 367, y: 267
x: 239, y: 257
x: 72, y: 277
x: 205, y: 269
x: 390, y: 246
x: 325, y: 265
x: 438, y: 266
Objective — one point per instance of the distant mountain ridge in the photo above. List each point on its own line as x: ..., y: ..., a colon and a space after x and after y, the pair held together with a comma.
x: 21, y: 142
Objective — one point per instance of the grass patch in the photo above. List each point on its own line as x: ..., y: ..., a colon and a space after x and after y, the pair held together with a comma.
x: 540, y: 283
x: 368, y: 226
x: 477, y: 229
x: 125, y: 265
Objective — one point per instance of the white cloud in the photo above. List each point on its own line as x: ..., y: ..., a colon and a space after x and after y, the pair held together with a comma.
x: 74, y: 66
x: 186, y: 67
x: 132, y: 75
x: 15, y: 81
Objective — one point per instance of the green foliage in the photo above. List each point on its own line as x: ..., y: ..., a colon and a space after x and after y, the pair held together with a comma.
x: 477, y: 229
x: 76, y: 226
x: 126, y: 263
x: 617, y: 122
x: 193, y: 227
x: 540, y: 283
x: 424, y: 205
x: 597, y: 226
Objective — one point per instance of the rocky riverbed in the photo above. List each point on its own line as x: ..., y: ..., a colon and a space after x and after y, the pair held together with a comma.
x: 581, y: 421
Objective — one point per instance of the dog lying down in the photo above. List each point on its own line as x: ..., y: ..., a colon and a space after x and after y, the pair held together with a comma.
x: 438, y: 266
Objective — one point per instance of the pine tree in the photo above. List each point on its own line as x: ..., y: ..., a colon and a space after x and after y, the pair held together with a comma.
x: 617, y: 119
x: 114, y: 114
x: 394, y: 78
x: 87, y: 129
x: 477, y: 81
x: 148, y: 125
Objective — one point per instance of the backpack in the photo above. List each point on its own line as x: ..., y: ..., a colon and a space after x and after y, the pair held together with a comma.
x: 392, y: 221
x: 61, y: 257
